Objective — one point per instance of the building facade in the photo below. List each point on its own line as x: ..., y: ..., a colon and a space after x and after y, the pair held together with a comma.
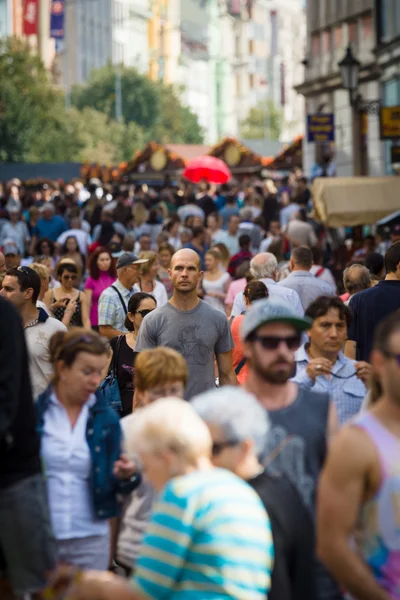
x: 331, y: 28
x: 387, y: 24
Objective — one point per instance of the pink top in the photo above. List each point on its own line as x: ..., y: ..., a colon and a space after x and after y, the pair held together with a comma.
x: 97, y: 286
x: 234, y: 288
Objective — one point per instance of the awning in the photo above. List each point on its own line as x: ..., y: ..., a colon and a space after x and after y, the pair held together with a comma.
x: 351, y: 201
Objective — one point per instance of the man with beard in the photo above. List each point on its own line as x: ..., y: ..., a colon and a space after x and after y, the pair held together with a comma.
x: 195, y: 329
x: 302, y: 421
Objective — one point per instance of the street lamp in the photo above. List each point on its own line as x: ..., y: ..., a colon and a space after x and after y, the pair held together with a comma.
x: 350, y: 71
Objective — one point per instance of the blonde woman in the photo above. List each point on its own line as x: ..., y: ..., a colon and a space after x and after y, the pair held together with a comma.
x: 215, y: 281
x: 148, y: 281
x: 209, y: 535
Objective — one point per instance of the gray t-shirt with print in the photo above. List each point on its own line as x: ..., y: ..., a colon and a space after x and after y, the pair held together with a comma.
x: 197, y: 334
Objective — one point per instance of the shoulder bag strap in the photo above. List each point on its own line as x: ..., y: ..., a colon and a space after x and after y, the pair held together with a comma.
x: 319, y: 272
x: 121, y: 299
x: 240, y: 365
x: 114, y: 360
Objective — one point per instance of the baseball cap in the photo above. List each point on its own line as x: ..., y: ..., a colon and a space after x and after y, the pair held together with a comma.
x: 10, y: 247
x: 267, y: 311
x: 128, y: 258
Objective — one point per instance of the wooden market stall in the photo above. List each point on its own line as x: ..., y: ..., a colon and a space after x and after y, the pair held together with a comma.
x: 290, y: 157
x: 156, y: 162
x: 241, y: 161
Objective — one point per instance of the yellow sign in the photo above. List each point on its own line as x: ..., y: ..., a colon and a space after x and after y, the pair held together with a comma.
x: 390, y: 122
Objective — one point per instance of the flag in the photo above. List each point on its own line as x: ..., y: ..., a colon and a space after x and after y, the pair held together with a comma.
x: 30, y: 17
x: 57, y: 13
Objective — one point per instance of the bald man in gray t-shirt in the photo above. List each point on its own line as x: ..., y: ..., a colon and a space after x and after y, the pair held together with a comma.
x: 192, y: 327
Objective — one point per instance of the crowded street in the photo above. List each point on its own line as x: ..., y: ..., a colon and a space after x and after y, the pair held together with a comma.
x: 199, y: 300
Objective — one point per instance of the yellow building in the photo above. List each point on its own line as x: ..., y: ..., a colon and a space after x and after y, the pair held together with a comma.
x: 164, y: 40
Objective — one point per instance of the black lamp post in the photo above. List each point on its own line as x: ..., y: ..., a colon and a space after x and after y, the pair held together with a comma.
x: 350, y: 71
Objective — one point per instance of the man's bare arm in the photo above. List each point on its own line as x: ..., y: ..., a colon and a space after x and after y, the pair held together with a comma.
x: 109, y: 332
x: 341, y: 493
x: 227, y: 375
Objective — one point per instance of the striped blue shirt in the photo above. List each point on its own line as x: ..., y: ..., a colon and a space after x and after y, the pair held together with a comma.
x: 209, y: 539
x: 347, y: 394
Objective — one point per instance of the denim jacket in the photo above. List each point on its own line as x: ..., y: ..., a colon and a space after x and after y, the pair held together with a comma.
x: 104, y: 437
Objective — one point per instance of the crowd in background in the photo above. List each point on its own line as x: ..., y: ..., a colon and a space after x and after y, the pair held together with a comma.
x: 135, y: 300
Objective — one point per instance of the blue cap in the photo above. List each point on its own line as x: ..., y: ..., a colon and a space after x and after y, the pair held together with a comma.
x: 267, y: 311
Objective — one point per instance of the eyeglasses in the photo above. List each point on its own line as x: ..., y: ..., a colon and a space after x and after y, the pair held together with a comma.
x: 269, y: 342
x: 143, y: 313
x: 343, y: 376
x: 219, y: 447
x: 392, y: 355
x: 24, y: 270
x: 71, y: 277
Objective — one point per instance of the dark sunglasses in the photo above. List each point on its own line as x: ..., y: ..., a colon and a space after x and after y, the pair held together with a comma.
x: 71, y: 277
x: 144, y: 312
x: 219, y: 447
x: 272, y: 342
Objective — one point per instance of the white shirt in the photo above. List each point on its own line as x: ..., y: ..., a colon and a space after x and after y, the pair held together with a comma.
x: 67, y: 464
x: 277, y: 292
x: 326, y: 275
x: 38, y: 340
x: 159, y: 292
x: 82, y: 237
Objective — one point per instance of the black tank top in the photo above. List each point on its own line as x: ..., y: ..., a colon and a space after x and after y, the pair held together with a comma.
x: 296, y: 448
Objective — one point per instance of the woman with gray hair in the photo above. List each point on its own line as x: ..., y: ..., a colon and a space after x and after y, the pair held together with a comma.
x: 239, y: 428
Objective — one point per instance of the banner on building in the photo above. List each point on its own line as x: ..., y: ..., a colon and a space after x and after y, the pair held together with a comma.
x: 57, y: 19
x: 30, y: 17
x: 321, y: 128
x: 390, y: 122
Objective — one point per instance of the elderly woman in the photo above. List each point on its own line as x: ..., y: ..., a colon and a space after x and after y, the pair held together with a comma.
x: 81, y: 450
x: 209, y: 535
x: 239, y: 427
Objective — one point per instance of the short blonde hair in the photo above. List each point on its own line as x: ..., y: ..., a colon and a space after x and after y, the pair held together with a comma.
x: 41, y: 270
x: 151, y: 257
x: 168, y: 424
x: 158, y: 366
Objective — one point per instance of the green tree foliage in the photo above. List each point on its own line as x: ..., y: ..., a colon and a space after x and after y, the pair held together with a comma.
x: 36, y: 127
x: 154, y: 106
x: 264, y: 121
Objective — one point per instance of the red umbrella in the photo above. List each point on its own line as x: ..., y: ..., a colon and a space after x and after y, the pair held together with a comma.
x: 207, y: 168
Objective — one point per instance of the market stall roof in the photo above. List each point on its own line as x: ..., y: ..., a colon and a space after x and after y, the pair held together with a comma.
x: 155, y: 161
x: 352, y: 201
x: 290, y: 156
x: 188, y: 151
x: 239, y: 158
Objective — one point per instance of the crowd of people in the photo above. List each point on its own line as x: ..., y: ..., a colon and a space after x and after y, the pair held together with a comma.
x: 199, y: 396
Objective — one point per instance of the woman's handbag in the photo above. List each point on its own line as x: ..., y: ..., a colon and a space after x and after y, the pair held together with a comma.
x: 109, y: 387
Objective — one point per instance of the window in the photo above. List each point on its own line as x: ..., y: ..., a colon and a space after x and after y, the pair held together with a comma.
x: 338, y: 38
x: 388, y: 18
x: 251, y: 47
x: 327, y: 41
x: 352, y: 32
x: 366, y: 27
x: 316, y: 44
x: 251, y: 81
